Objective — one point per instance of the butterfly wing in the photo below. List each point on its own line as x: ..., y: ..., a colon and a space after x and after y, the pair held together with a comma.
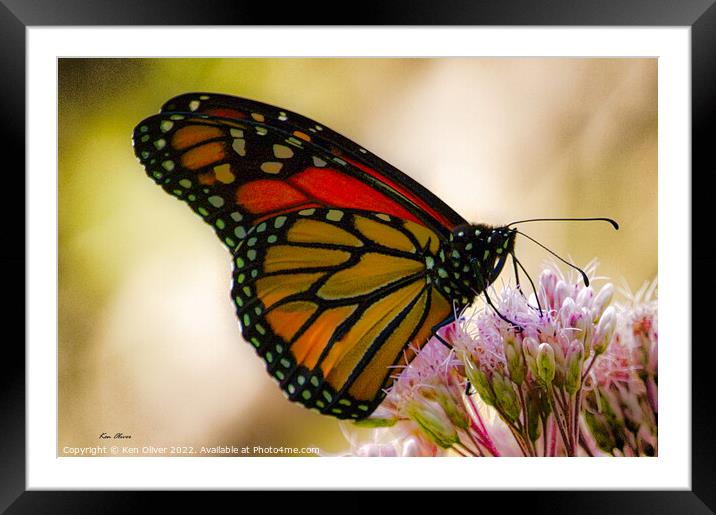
x: 361, y: 163
x: 236, y: 161
x: 330, y: 298
x: 330, y: 242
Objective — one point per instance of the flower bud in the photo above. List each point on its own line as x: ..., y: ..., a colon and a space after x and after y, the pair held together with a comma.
x: 454, y: 412
x: 515, y: 361
x: 562, y: 292
x: 604, y: 297
x: 506, y: 397
x: 568, y: 312
x: 427, y: 391
x: 605, y: 330
x: 586, y: 330
x: 573, y: 379
x: 479, y: 380
x: 531, y: 348
x: 548, y: 282
x: 548, y: 329
x: 560, y: 358
x: 545, y: 363
x: 433, y: 422
x: 585, y: 296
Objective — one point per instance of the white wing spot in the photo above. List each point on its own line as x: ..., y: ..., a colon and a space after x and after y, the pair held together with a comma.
x: 282, y: 151
x: 334, y: 215
x: 216, y: 201
x: 239, y: 146
x: 271, y: 167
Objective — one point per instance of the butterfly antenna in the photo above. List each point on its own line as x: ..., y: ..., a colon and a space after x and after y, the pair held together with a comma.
x: 598, y: 219
x: 529, y: 278
x: 584, y: 276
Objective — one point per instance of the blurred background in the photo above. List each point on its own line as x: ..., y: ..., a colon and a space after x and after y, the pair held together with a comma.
x: 148, y: 340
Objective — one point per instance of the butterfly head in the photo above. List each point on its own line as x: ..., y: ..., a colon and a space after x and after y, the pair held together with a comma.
x: 486, y: 248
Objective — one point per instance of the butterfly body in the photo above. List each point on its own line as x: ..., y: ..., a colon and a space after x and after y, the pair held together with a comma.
x: 343, y: 266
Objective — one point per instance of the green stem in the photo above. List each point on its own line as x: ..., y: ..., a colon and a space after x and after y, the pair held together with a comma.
x: 516, y: 433
x: 474, y: 441
x: 577, y: 409
x: 462, y: 450
x: 557, y: 418
x: 578, y: 404
x: 528, y: 440
x: 567, y: 403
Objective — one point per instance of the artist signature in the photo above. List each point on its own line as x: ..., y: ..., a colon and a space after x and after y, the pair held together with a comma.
x: 116, y: 436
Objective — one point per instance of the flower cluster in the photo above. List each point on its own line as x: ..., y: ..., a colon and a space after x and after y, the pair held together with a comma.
x: 621, y: 405
x: 427, y: 407
x: 564, y: 373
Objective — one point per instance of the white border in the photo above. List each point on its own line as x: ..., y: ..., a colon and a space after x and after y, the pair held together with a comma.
x: 670, y: 470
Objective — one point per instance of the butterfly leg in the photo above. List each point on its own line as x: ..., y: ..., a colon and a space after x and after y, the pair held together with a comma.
x: 517, y: 273
x: 439, y: 326
x: 517, y: 326
x: 516, y: 262
x: 468, y: 385
x: 483, y: 284
x: 468, y: 388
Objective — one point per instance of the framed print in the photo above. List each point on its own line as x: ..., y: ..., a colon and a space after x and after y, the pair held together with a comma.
x: 332, y: 306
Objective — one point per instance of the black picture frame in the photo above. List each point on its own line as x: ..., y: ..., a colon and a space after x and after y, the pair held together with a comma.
x: 17, y: 15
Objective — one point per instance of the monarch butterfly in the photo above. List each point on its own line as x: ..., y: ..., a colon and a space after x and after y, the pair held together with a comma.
x: 343, y: 264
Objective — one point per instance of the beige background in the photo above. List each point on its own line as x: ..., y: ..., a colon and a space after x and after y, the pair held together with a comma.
x: 148, y: 340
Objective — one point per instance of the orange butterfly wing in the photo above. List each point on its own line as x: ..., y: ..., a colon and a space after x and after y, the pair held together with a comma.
x: 330, y: 242
x: 331, y: 299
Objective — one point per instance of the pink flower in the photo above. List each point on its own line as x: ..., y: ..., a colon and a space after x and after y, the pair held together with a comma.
x: 531, y: 371
x: 564, y: 372
x: 621, y: 395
